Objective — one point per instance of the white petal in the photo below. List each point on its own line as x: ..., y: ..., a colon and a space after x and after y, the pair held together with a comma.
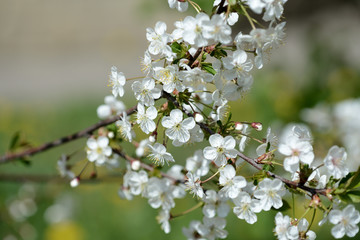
x: 167, y: 122
x: 176, y: 115
x: 151, y: 112
x: 216, y: 140
x: 229, y: 142
x: 92, y: 143
x: 210, y: 153
x: 188, y: 123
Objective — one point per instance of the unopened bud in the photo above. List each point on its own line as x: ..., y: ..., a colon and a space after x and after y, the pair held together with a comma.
x: 257, y: 126
x: 135, y: 165
x: 315, y: 201
x: 198, y: 117
x: 152, y: 138
x: 111, y: 135
x: 75, y: 182
x: 239, y: 126
x: 164, y: 106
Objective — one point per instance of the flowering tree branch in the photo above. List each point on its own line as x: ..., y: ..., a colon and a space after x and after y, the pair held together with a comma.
x: 199, y: 69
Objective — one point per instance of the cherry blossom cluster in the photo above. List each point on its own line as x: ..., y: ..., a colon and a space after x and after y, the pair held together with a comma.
x: 190, y: 76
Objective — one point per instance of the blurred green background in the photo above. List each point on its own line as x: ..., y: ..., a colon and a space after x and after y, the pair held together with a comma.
x: 54, y: 61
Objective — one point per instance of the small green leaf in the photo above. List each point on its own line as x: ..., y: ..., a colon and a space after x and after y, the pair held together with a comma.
x: 354, y: 196
x: 176, y: 47
x: 209, y: 68
x: 355, y: 180
x: 345, y: 198
x: 266, y: 167
x: 14, y: 141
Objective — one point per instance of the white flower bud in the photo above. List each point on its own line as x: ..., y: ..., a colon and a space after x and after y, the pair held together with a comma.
x: 152, y: 138
x: 111, y: 135
x: 257, y: 126
x: 199, y: 117
x: 135, y: 165
x: 75, y: 182
x: 239, y: 126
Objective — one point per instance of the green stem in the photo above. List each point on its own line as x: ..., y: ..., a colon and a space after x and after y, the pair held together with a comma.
x: 248, y: 17
x: 187, y: 211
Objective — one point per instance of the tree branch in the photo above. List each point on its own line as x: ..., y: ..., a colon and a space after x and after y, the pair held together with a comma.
x: 84, y: 133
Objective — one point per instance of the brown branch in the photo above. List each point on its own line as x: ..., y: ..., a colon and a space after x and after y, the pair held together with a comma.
x: 84, y: 133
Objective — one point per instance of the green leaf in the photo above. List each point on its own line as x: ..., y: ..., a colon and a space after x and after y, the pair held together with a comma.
x: 354, y: 196
x: 176, y: 47
x: 355, y: 180
x: 208, y: 68
x: 345, y: 198
x: 14, y: 141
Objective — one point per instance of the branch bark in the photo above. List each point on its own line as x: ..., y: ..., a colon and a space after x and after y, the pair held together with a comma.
x: 84, y: 133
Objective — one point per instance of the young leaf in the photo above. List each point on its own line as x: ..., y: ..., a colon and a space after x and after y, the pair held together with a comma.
x: 14, y: 141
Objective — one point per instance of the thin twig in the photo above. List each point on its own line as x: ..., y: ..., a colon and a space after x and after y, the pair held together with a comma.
x: 84, y: 133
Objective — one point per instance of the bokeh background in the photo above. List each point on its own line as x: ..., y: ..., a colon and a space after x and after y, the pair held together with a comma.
x: 55, y: 57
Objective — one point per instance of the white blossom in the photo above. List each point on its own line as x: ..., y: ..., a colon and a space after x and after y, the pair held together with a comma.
x: 193, y: 232
x: 215, y: 205
x: 98, y: 150
x: 145, y: 91
x: 111, y: 106
x: 345, y: 221
x: 181, y: 6
x: 193, y: 30
x: 198, y: 164
x: 214, y: 228
x: 168, y: 76
x: 159, y: 154
x: 125, y: 127
x: 296, y: 151
x: 145, y: 118
x: 63, y: 167
x: 158, y: 40
x: 193, y: 185
x: 217, y: 29
x: 177, y: 128
x: 269, y: 193
x: 117, y: 81
x: 231, y: 183
x: 137, y: 181
x: 282, y: 226
x: 335, y: 162
x: 273, y: 9
x: 239, y: 64
x: 246, y: 207
x: 221, y: 149
x: 142, y: 148
x: 163, y: 218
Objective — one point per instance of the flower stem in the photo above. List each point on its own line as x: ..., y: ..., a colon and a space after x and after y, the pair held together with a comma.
x: 248, y: 16
x: 212, y: 176
x: 187, y: 211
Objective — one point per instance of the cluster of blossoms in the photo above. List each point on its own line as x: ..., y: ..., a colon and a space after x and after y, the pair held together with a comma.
x: 198, y: 69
